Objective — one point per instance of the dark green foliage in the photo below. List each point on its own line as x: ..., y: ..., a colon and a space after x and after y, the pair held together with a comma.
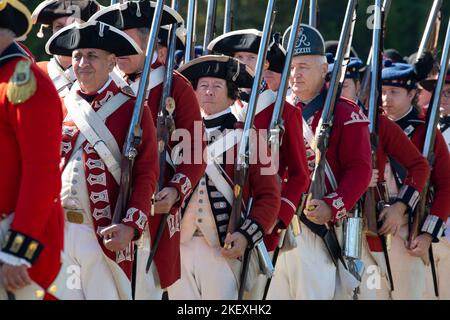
x: 406, y: 21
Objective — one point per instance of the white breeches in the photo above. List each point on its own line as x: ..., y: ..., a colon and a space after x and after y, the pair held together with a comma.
x: 374, y: 282
x: 441, y: 253
x: 205, y: 274
x: 305, y: 272
x: 91, y: 278
x: 408, y: 272
x: 147, y: 284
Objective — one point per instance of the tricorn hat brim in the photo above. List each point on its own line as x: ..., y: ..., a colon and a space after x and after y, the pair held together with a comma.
x: 92, y: 34
x: 247, y: 40
x: 135, y: 14
x: 180, y: 37
x: 16, y: 17
x: 222, y: 67
x: 50, y: 10
x: 430, y: 84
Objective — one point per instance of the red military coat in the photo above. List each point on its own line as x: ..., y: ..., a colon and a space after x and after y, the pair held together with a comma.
x: 144, y: 175
x: 30, y: 183
x: 261, y: 185
x: 348, y: 154
x: 393, y: 143
x: 413, y: 125
x: 184, y: 178
x: 293, y: 169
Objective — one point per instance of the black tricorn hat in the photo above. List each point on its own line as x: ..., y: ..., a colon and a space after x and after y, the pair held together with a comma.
x: 135, y: 14
x: 50, y: 10
x: 331, y: 47
x: 247, y: 40
x: 15, y: 16
x: 91, y: 34
x: 309, y: 41
x: 276, y: 55
x: 394, y: 56
x: 430, y: 84
x: 163, y: 37
x: 222, y: 67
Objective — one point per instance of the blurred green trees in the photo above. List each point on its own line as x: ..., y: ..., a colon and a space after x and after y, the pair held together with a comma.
x: 406, y: 21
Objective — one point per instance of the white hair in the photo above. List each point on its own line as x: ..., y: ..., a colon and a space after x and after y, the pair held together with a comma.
x: 321, y: 60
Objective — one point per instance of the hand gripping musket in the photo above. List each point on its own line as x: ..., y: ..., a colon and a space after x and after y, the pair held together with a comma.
x: 423, y: 207
x: 276, y: 128
x: 243, y: 156
x: 314, y: 13
x: 164, y: 128
x: 431, y: 33
x: 371, y: 206
x: 134, y: 135
x: 190, y: 26
x: 210, y: 25
x: 318, y: 186
x: 228, y: 17
x: 363, y: 92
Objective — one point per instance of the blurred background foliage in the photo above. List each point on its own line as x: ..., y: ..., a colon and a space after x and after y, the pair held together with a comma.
x: 405, y: 25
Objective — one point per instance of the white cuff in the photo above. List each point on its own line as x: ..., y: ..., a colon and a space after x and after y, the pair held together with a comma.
x: 13, y: 260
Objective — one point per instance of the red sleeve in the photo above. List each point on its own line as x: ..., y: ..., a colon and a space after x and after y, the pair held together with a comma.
x: 145, y: 175
x: 440, y: 179
x: 293, y: 155
x: 189, y: 125
x: 354, y: 161
x: 264, y: 188
x: 39, y: 140
x: 397, y: 145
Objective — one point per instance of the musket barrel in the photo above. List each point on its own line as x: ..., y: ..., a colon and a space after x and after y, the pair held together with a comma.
x: 284, y: 82
x: 190, y: 40
x: 262, y: 55
x: 313, y: 7
x: 243, y: 152
x: 134, y: 134
x: 427, y: 38
x: 363, y: 92
x: 375, y: 67
x: 210, y: 25
x: 141, y: 95
x: 436, y: 99
x: 342, y: 53
x: 228, y: 17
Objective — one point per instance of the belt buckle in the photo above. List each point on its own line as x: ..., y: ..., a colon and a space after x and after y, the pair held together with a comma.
x: 75, y: 217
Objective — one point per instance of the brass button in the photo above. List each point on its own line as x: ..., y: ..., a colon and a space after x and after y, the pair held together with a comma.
x: 39, y: 294
x: 53, y: 289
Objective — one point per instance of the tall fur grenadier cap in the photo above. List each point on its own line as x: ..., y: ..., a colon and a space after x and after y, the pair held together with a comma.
x: 135, y: 14
x: 91, y: 34
x: 222, y: 67
x: 15, y: 16
x: 309, y: 41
